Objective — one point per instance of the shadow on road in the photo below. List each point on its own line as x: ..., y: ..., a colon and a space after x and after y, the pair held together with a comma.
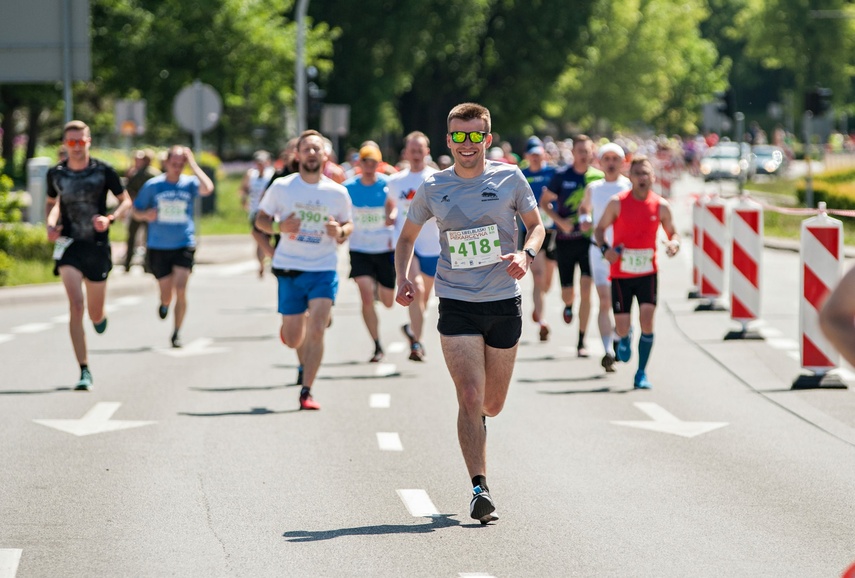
x: 35, y: 391
x: 253, y: 411
x: 575, y: 391
x: 561, y: 379
x: 436, y: 523
x: 121, y: 351
x: 233, y: 389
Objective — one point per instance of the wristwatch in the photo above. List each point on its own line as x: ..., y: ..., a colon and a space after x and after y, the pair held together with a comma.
x: 530, y: 252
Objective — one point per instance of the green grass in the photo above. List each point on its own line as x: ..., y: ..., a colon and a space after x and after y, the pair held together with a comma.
x: 782, y: 193
x: 28, y: 272
x: 230, y: 219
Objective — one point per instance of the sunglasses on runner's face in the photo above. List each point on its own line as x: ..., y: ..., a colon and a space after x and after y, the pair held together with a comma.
x: 475, y: 137
x: 76, y: 142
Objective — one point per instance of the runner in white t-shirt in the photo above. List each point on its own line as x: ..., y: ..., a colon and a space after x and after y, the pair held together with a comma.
x: 402, y: 189
x: 597, y: 196
x: 251, y: 189
x: 313, y: 214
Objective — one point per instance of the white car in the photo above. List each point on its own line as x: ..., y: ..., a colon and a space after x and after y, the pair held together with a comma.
x: 726, y: 160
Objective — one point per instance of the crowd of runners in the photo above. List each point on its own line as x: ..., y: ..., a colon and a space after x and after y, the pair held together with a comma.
x: 466, y: 227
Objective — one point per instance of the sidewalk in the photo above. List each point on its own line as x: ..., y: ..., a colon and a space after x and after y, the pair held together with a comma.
x: 211, y: 250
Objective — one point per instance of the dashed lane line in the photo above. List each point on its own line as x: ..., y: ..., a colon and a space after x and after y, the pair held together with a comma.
x: 9, y: 560
x: 380, y: 400
x: 385, y: 369
x: 389, y: 442
x: 418, y: 503
x: 32, y: 328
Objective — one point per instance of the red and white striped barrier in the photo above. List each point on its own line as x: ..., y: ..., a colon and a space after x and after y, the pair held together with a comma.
x: 821, y: 269
x: 746, y: 261
x: 713, y: 247
x: 697, y: 239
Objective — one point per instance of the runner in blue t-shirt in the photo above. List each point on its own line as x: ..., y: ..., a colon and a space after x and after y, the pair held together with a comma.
x: 539, y: 175
x: 167, y: 203
x: 372, y: 255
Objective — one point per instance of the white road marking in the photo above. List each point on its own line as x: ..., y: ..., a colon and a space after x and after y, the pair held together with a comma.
x: 475, y: 575
x: 61, y: 318
x: 196, y: 347
x: 9, y: 560
x: 397, y: 347
x: 389, y: 441
x: 4, y: 337
x: 797, y: 355
x: 418, y: 503
x: 380, y: 400
x: 229, y: 270
x: 128, y: 301
x: 96, y: 420
x: 782, y: 343
x: 32, y: 328
x: 665, y: 422
x: 769, y: 332
x: 385, y: 369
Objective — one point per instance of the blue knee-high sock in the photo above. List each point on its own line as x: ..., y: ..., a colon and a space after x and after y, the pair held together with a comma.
x: 645, y: 344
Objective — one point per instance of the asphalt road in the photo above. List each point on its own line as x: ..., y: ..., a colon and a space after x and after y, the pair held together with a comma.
x: 198, y: 462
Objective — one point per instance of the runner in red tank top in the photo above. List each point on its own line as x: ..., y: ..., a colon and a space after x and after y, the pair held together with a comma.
x: 636, y: 216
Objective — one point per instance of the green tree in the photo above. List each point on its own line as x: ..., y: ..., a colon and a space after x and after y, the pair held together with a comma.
x: 645, y: 64
x: 402, y: 66
x: 815, y: 47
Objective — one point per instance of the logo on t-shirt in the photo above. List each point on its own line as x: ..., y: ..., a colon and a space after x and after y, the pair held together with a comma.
x: 489, y: 196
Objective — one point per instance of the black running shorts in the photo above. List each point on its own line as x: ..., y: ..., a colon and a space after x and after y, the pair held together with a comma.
x: 644, y: 289
x: 161, y: 261
x: 380, y: 266
x: 499, y: 322
x: 568, y: 254
x: 94, y: 260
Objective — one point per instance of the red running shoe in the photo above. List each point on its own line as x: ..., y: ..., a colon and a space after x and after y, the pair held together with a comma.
x: 308, y: 402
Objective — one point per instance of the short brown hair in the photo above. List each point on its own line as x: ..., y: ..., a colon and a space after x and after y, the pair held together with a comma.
x: 75, y: 125
x: 582, y: 138
x: 306, y: 134
x: 470, y: 111
x: 414, y: 135
x: 638, y: 160
x: 177, y: 150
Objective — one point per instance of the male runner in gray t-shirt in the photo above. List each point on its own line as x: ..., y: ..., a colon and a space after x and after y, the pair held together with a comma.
x: 480, y: 318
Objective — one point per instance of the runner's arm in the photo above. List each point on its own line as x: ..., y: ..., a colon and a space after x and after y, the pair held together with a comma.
x: 403, y: 257
x: 667, y: 221
x: 837, y: 317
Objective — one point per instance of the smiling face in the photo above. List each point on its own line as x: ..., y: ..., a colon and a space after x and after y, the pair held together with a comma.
x: 310, y: 154
x: 468, y: 156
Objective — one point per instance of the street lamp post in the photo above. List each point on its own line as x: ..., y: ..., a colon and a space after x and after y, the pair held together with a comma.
x: 300, y: 72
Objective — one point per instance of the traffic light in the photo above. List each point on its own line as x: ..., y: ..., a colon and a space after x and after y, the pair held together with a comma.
x: 726, y: 103
x: 818, y: 100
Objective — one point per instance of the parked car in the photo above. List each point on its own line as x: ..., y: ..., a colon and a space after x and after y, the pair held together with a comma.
x: 768, y: 160
x: 726, y: 160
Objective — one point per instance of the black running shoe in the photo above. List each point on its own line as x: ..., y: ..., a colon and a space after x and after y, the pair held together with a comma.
x: 481, y: 507
x: 176, y: 340
x: 101, y: 326
x: 568, y: 315
x: 409, y: 333
x: 163, y: 311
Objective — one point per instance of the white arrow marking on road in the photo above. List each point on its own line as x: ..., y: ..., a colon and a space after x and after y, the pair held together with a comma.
x: 389, y: 441
x: 418, y: 503
x: 4, y: 337
x: 197, y: 347
x: 9, y: 560
x: 96, y: 420
x: 32, y: 328
x: 380, y: 400
x: 396, y: 347
x: 385, y: 369
x: 664, y: 422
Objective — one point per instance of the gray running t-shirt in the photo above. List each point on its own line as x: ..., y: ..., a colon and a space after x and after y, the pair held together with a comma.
x: 461, y: 205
